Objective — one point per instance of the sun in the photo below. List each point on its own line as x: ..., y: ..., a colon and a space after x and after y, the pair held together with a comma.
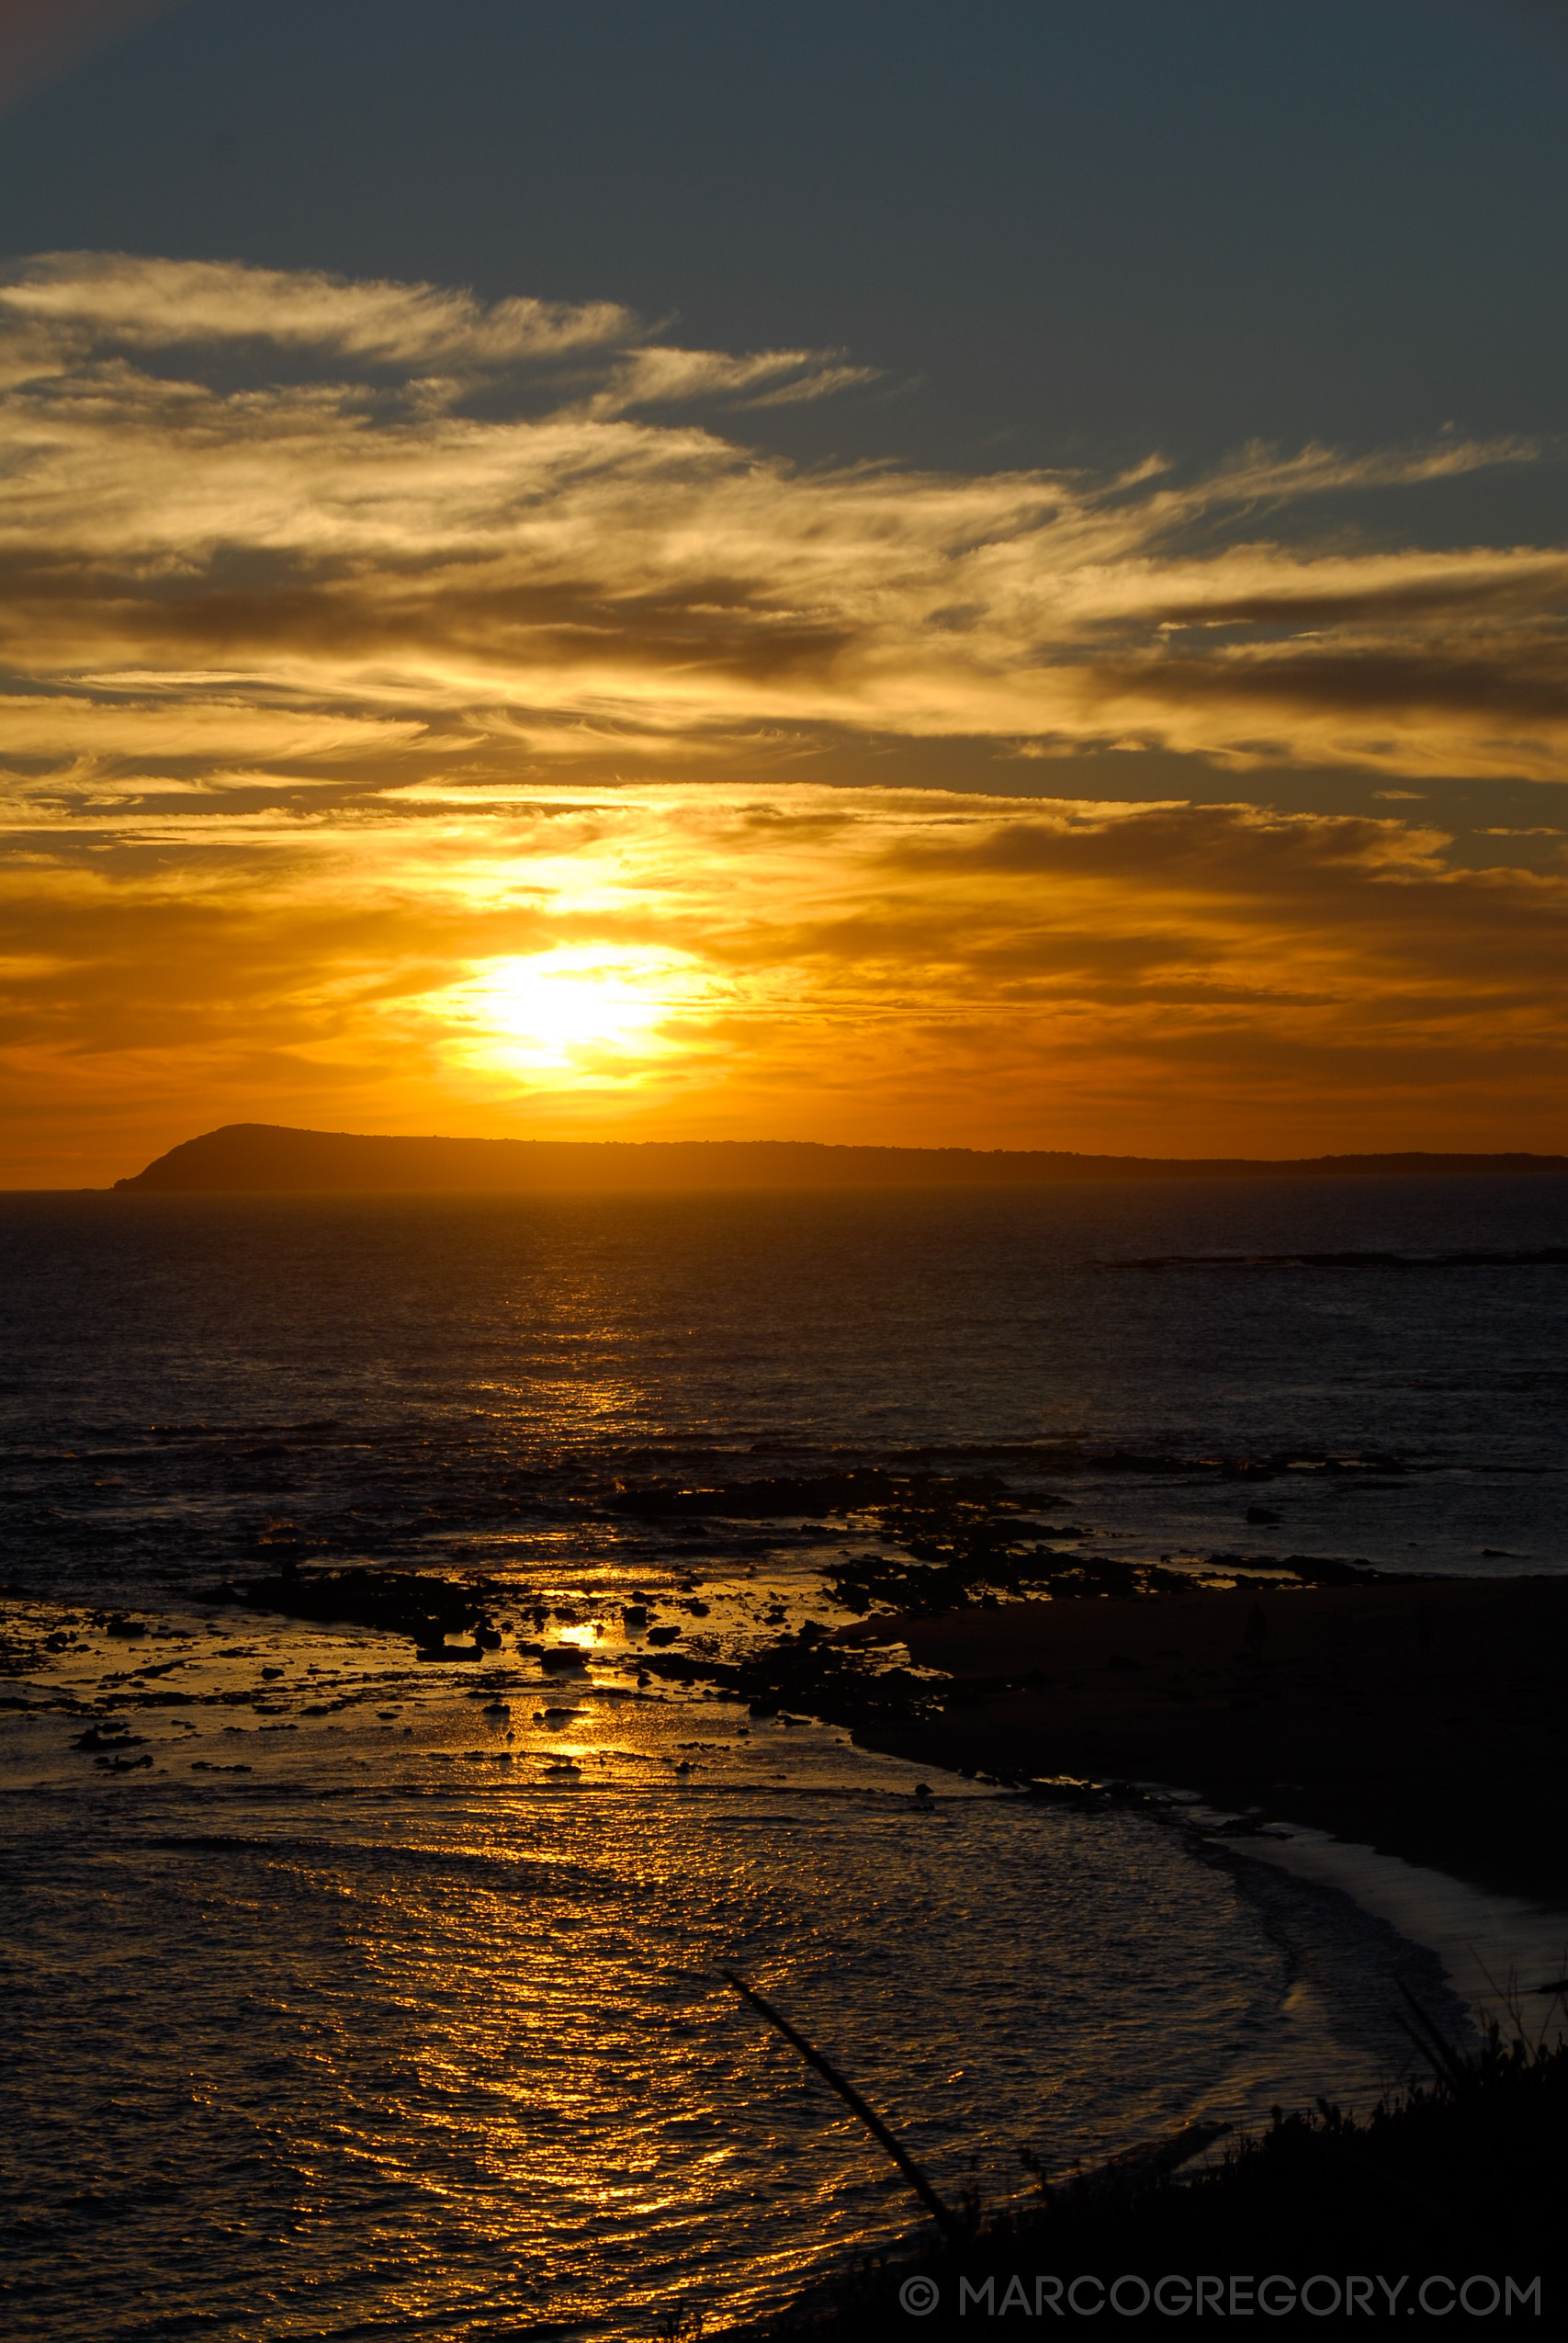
x: 564, y: 1001
x: 578, y: 1012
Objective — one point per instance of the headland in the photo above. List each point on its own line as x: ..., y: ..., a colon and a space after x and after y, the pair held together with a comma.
x: 264, y: 1158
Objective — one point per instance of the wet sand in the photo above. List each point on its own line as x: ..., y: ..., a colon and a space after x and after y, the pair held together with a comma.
x: 1426, y: 1719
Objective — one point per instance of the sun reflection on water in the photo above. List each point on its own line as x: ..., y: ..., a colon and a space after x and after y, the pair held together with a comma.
x: 411, y: 2019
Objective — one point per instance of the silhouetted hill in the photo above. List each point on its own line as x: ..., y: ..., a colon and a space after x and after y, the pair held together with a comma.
x: 265, y: 1157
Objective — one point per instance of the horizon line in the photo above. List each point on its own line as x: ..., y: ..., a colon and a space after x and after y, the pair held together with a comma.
x: 272, y: 1158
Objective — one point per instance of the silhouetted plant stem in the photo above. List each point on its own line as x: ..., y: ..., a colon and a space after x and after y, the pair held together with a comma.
x: 945, y: 2220
x: 1439, y: 2054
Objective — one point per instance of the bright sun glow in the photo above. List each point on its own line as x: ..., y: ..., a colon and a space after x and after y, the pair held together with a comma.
x: 577, y: 1011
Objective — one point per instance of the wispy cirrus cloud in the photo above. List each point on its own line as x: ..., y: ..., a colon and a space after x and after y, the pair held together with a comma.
x: 61, y: 310
x: 659, y: 377
x: 362, y: 535
x: 82, y: 304
x: 330, y: 613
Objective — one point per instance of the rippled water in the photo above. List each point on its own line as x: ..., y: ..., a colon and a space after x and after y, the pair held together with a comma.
x: 439, y: 1378
x: 383, y: 2000
x: 342, y: 2047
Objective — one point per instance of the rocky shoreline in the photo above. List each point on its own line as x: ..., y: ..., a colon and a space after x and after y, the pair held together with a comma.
x: 1418, y: 1714
x: 1421, y: 1716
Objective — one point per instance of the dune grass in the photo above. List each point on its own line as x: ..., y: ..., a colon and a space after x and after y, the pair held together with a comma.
x: 1456, y: 2179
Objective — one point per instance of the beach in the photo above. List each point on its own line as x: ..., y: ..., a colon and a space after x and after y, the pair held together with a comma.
x: 1423, y: 1719
x: 419, y: 1610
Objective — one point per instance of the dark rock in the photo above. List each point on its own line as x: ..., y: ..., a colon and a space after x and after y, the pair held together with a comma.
x: 403, y: 1601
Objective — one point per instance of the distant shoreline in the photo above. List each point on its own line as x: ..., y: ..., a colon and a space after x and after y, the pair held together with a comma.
x: 266, y: 1159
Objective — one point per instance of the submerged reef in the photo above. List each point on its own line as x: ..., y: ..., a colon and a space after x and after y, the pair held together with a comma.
x: 966, y: 1537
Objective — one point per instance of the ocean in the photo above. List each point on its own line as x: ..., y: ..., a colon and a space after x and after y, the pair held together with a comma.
x: 352, y: 1994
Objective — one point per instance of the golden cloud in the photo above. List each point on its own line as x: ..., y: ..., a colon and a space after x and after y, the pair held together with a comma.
x: 364, y: 535
x: 688, y: 960
x: 306, y: 646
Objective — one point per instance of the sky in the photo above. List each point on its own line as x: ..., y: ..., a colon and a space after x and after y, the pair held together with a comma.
x: 986, y: 576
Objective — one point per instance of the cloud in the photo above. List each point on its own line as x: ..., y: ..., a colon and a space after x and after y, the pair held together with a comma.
x: 81, y: 303
x: 834, y: 964
x: 336, y: 700
x: 365, y: 540
x: 99, y: 733
x: 663, y: 377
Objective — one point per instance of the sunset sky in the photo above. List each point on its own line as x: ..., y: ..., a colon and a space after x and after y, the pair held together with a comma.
x: 986, y: 575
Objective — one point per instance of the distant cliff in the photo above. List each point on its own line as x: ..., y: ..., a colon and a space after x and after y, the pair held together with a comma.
x: 263, y: 1157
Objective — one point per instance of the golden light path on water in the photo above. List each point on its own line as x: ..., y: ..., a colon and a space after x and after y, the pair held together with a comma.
x: 342, y: 1989
x: 405, y: 2005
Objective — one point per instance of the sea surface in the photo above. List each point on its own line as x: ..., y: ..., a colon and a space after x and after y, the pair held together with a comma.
x: 350, y: 1995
